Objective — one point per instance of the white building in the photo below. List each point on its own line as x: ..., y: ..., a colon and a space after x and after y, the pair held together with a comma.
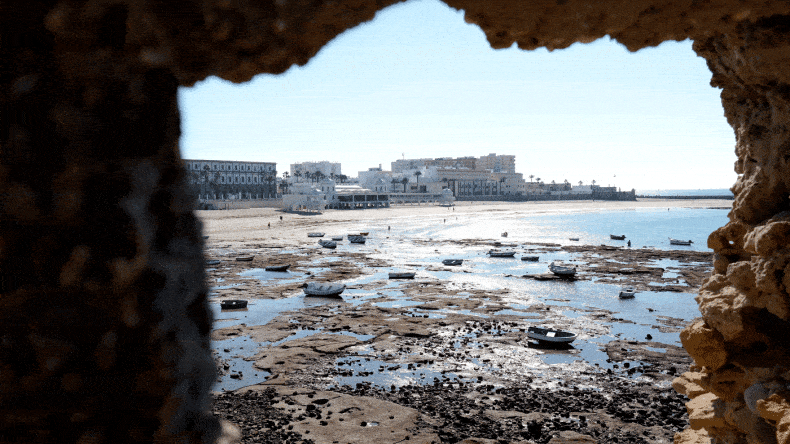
x: 228, y: 179
x: 305, y: 196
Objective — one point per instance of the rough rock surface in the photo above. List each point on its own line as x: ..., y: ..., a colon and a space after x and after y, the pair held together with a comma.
x: 103, y: 319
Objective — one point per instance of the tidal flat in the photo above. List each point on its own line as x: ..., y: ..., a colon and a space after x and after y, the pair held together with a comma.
x: 445, y: 357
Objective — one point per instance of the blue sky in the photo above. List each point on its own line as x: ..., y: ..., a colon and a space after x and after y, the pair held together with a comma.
x: 418, y: 82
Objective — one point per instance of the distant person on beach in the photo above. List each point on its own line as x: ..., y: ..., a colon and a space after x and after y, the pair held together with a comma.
x: 270, y: 224
x: 629, y: 244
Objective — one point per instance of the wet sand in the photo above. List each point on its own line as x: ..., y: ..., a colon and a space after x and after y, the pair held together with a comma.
x: 452, y: 363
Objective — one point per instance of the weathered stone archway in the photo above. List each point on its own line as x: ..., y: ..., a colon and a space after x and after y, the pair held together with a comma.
x: 103, y: 317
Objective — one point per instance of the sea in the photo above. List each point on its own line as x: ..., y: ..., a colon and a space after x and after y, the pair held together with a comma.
x: 419, y: 243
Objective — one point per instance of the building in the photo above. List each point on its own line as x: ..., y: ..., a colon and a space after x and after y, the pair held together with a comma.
x: 309, y: 169
x: 305, y: 196
x: 228, y: 179
x: 496, y: 164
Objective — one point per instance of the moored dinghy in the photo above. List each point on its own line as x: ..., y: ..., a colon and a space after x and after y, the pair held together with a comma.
x: 233, y: 304
x: 627, y: 293
x: 501, y: 253
x: 280, y: 268
x: 328, y: 243
x: 323, y: 289
x: 337, y: 238
x: 530, y: 258
x: 245, y: 258
x: 453, y: 262
x: 315, y: 234
x: 356, y: 238
x: 562, y: 271
x: 679, y: 242
x: 402, y: 275
x: 550, y: 335
x: 617, y: 237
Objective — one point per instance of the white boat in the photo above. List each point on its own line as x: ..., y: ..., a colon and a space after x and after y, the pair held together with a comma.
x: 679, y: 242
x: 356, y: 238
x: 337, y: 238
x: 627, y: 293
x: 504, y: 234
x: 550, y: 335
x: 315, y: 234
x: 530, y: 258
x: 315, y: 289
x: 453, y: 261
x: 501, y: 253
x: 563, y: 271
x: 327, y: 243
x: 402, y: 275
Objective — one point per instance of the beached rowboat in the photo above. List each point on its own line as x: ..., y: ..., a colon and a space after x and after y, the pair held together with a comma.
x: 530, y: 258
x: 337, y: 238
x: 562, y: 271
x: 212, y: 261
x: 627, y: 293
x: 232, y: 304
x: 315, y: 234
x: 283, y: 267
x: 402, y: 275
x: 452, y: 261
x: 501, y: 253
x: 327, y: 243
x: 617, y: 237
x: 356, y: 239
x: 315, y: 289
x: 679, y: 242
x: 550, y: 335
x: 245, y: 258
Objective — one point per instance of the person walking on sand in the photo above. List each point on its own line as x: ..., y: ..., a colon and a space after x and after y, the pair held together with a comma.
x: 270, y: 224
x: 629, y: 244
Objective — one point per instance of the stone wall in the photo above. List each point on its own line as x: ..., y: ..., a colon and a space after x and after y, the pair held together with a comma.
x: 103, y: 316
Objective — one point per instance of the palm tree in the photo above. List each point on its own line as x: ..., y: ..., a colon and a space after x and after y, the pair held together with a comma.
x: 418, y: 174
x: 531, y: 176
x: 297, y: 175
x: 394, y: 182
x: 593, y: 182
x: 580, y: 183
x: 404, y: 181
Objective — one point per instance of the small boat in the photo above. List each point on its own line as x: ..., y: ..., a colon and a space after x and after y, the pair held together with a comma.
x: 327, y: 243
x: 315, y: 289
x: 283, y: 267
x: 573, y: 238
x: 550, y: 335
x: 356, y: 238
x: 627, y: 293
x: 212, y: 261
x: 562, y: 271
x: 679, y: 242
x: 315, y: 234
x: 617, y: 237
x: 244, y: 258
x: 233, y: 304
x: 504, y: 234
x: 365, y: 233
x: 337, y: 238
x: 501, y: 253
x: 530, y: 258
x: 402, y: 275
x: 453, y: 262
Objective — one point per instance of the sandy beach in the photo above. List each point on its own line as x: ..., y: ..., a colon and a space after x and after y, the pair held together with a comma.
x: 443, y: 357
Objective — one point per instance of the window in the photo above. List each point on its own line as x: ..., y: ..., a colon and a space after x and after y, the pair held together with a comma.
x: 242, y: 180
